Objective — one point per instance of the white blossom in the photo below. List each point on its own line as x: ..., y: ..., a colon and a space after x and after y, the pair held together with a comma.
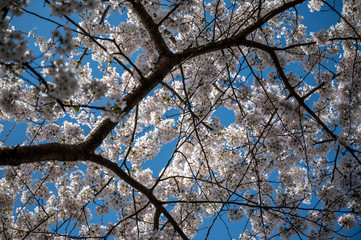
x: 347, y: 221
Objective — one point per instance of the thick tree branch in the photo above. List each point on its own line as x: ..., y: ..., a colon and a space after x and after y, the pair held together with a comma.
x: 151, y: 27
x: 161, y: 69
x: 237, y: 39
x: 14, y: 156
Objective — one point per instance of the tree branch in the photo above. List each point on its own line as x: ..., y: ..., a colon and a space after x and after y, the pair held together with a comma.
x: 239, y: 37
x: 138, y: 186
x: 14, y: 156
x: 151, y: 27
x: 293, y: 93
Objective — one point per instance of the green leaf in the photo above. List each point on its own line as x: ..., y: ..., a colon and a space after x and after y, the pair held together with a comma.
x: 117, y: 109
x: 76, y: 108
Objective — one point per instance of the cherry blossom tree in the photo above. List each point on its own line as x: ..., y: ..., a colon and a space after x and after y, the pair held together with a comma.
x: 116, y: 82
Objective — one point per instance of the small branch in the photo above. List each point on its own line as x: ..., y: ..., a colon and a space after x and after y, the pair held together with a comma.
x: 313, y: 90
x: 168, y: 14
x: 156, y: 219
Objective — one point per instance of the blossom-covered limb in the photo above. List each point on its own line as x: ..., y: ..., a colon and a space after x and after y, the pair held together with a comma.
x: 140, y: 187
x: 151, y: 27
x: 300, y: 99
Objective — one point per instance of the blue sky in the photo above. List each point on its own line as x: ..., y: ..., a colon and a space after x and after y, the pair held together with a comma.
x: 314, y: 21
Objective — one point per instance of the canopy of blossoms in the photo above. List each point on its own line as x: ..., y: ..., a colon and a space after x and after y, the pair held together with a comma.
x: 113, y: 84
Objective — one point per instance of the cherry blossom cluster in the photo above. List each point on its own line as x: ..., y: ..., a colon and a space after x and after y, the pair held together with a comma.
x: 13, y: 46
x: 65, y: 42
x: 61, y: 7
